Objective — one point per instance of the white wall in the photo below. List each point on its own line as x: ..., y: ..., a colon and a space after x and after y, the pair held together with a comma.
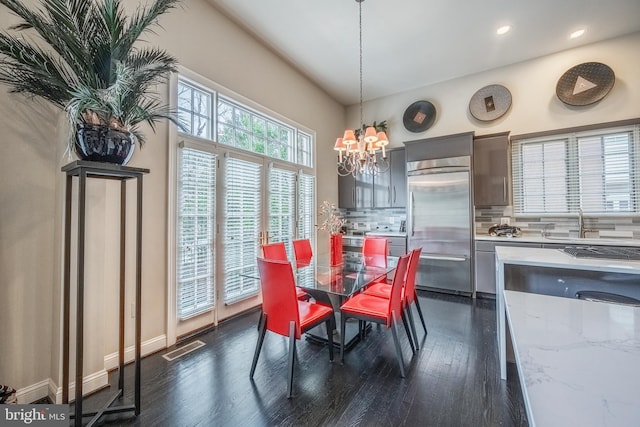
x: 535, y: 106
x: 31, y: 195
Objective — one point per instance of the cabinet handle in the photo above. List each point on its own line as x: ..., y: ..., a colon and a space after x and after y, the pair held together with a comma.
x: 394, y: 194
x: 504, y: 189
x: 389, y: 197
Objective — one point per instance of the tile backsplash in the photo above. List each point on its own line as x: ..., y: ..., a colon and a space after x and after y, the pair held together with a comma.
x: 363, y: 220
x: 595, y: 227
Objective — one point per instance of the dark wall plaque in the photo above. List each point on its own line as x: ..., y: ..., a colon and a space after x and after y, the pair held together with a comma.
x: 585, y: 83
x: 419, y: 116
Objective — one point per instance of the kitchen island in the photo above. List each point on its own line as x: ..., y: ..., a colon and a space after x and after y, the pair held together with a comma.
x: 577, y: 360
x: 545, y: 258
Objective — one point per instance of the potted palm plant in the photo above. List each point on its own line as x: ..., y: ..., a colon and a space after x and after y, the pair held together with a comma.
x: 84, y: 56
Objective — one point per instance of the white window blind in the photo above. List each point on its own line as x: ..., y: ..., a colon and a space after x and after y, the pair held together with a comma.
x: 282, y: 207
x: 592, y: 170
x: 306, y: 206
x: 196, y: 232
x: 243, y: 219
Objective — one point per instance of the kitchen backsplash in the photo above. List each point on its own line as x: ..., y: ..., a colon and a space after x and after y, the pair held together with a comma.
x: 364, y: 220
x: 604, y: 227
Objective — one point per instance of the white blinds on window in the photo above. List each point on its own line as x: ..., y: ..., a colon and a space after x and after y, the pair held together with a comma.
x: 592, y: 170
x: 306, y: 205
x: 196, y: 232
x: 243, y: 217
x: 282, y: 207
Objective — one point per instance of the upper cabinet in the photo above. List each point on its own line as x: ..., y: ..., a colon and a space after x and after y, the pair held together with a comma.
x: 385, y: 190
x: 390, y: 188
x: 491, y: 170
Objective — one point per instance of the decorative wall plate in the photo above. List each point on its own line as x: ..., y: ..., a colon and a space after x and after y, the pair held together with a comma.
x: 490, y: 103
x: 585, y: 83
x: 419, y: 116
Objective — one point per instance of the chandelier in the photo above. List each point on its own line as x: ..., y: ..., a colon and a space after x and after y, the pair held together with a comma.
x: 362, y: 151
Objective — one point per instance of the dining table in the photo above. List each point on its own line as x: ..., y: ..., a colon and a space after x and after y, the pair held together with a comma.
x: 333, y: 284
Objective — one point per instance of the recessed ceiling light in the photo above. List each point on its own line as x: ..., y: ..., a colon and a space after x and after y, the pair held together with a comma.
x: 503, y: 30
x: 576, y: 34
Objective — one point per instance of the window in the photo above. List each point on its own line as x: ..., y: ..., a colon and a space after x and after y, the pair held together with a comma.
x: 194, y: 110
x: 592, y: 170
x: 196, y: 223
x: 239, y: 126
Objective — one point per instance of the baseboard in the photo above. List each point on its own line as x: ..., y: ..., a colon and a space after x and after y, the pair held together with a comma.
x: 33, y: 392
x: 147, y: 347
x: 95, y: 381
x: 90, y: 383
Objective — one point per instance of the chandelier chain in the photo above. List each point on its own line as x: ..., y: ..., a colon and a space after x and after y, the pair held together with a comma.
x: 361, y: 97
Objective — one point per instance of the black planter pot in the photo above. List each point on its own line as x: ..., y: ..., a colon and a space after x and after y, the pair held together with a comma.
x: 104, y: 144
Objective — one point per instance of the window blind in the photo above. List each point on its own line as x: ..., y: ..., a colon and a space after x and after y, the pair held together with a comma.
x: 306, y: 206
x: 196, y: 237
x: 243, y: 222
x: 282, y: 207
x: 594, y: 171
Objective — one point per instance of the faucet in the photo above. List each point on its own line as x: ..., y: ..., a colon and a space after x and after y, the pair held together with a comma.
x: 582, y: 232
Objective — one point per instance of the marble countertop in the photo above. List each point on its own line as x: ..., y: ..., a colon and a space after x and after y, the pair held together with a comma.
x: 560, y: 240
x: 577, y: 360
x: 557, y: 258
x: 386, y: 233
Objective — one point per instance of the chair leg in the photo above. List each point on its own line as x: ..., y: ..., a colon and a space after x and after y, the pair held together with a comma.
x: 420, y: 313
x: 394, y: 330
x: 330, y: 328
x: 262, y: 330
x: 406, y: 329
x: 292, y: 352
x: 413, y: 325
x: 343, y: 322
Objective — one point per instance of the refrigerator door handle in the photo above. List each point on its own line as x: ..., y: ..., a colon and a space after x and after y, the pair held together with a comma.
x: 413, y: 218
x: 444, y: 258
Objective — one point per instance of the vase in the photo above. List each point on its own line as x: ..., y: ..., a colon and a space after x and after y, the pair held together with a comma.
x: 103, y: 144
x: 336, y: 249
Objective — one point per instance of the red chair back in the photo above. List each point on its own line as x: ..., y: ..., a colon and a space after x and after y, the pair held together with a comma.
x: 279, y: 301
x: 275, y: 251
x: 395, y: 302
x: 302, y: 250
x: 410, y: 282
x: 375, y: 251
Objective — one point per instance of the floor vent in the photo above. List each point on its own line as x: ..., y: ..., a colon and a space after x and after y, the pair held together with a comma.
x: 179, y: 352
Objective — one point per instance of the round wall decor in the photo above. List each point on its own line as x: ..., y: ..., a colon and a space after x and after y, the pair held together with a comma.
x: 490, y: 103
x: 585, y: 83
x: 419, y: 116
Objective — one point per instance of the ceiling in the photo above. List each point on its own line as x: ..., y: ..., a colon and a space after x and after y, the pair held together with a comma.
x: 413, y: 43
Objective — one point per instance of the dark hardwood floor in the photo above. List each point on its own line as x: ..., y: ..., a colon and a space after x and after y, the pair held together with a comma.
x: 452, y: 381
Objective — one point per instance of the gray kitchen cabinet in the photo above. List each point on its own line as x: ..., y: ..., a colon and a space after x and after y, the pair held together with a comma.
x: 485, y: 263
x: 397, y: 246
x: 355, y: 193
x: 390, y: 187
x: 491, y: 170
x: 347, y: 192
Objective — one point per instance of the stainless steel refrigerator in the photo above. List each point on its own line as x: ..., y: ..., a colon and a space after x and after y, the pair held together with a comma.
x: 439, y: 219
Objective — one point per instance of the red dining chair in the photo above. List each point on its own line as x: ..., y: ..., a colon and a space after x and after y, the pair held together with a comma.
x: 283, y: 314
x: 409, y: 295
x: 278, y: 252
x: 383, y: 311
x: 275, y: 251
x: 375, y: 251
x: 302, y: 250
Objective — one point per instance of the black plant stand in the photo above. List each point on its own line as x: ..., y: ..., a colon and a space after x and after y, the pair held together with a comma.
x: 83, y: 170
